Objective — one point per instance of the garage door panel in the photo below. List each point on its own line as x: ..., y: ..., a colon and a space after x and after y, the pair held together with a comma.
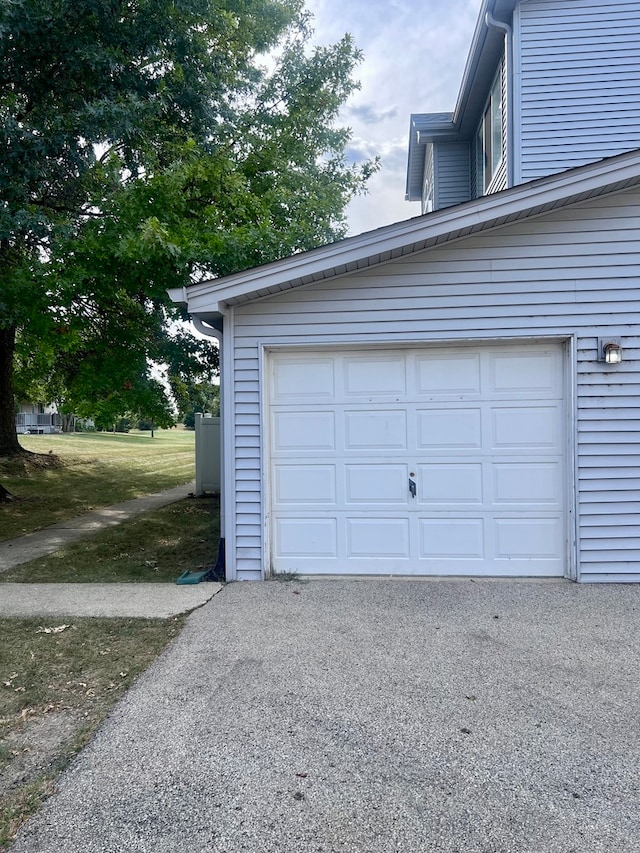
x: 306, y: 538
x: 479, y: 430
x: 376, y: 483
x: 448, y: 374
x: 520, y: 374
x: 526, y: 426
x: 378, y: 537
x: 530, y: 538
x: 442, y: 428
x: 307, y: 379
x: 444, y: 483
x: 527, y: 483
x: 447, y: 538
x: 380, y: 430
x: 304, y: 431
x: 305, y: 484
x: 374, y: 376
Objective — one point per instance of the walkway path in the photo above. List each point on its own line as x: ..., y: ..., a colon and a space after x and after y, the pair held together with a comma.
x: 15, y: 552
x: 123, y: 600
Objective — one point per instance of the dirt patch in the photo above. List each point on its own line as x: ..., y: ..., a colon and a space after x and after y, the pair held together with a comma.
x: 24, y: 464
x: 28, y: 463
x: 37, y: 748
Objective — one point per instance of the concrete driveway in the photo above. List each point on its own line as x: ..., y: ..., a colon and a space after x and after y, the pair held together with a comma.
x: 373, y: 716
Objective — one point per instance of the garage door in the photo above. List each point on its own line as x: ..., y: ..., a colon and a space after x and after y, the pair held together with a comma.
x: 418, y: 462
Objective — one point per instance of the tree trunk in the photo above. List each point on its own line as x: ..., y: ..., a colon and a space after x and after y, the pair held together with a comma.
x: 5, y: 496
x: 9, y: 445
x: 68, y: 423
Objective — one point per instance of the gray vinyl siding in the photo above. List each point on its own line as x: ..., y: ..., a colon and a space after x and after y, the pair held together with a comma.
x: 572, y: 273
x: 452, y: 168
x: 475, y: 158
x: 579, y: 95
x: 609, y: 437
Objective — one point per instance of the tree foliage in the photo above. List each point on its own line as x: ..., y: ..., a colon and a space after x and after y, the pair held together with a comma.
x: 143, y: 142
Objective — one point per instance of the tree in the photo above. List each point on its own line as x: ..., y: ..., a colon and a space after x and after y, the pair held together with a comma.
x: 192, y: 397
x: 142, y: 142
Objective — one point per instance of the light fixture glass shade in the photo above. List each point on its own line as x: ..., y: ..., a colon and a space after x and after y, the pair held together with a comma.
x: 612, y: 353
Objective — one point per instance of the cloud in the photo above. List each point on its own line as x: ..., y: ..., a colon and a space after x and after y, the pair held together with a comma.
x: 368, y: 114
x: 414, y: 57
x: 392, y: 153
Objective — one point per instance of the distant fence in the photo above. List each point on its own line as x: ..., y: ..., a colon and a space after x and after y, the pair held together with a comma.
x: 28, y: 423
x: 208, y: 454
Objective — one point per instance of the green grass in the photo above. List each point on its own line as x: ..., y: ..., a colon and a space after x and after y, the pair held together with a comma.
x: 48, y: 678
x: 96, y: 470
x: 156, y: 546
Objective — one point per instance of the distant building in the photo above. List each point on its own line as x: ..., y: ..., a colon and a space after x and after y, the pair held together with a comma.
x: 36, y: 419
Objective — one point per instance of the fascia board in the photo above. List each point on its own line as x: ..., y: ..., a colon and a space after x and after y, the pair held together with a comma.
x: 423, y: 128
x: 473, y: 57
x: 473, y: 88
x: 377, y: 247
x: 178, y: 295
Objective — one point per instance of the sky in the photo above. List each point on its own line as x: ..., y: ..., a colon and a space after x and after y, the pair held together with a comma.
x: 414, y: 57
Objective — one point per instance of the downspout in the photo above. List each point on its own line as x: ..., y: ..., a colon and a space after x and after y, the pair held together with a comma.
x: 206, y: 329
x: 219, y: 572
x: 494, y: 24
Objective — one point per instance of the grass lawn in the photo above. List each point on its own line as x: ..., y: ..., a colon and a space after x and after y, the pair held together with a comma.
x: 156, y: 546
x: 57, y: 684
x: 96, y: 470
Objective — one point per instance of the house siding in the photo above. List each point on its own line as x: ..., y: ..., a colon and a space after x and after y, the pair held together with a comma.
x: 569, y: 274
x: 579, y: 92
x: 609, y: 469
x: 452, y: 168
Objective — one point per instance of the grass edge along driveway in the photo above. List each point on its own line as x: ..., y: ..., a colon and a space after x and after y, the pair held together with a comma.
x: 58, y: 682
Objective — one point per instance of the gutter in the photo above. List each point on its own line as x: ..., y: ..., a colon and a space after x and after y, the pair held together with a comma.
x: 493, y: 24
x: 206, y: 329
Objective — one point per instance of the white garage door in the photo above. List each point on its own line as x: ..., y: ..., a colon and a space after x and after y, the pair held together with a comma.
x: 418, y: 461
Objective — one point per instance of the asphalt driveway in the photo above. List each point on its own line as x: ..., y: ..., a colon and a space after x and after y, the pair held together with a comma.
x: 372, y: 716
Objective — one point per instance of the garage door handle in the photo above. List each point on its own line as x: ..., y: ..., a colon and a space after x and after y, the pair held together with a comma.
x: 412, y: 487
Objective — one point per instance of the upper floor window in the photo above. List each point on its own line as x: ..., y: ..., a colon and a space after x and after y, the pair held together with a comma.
x: 489, y: 139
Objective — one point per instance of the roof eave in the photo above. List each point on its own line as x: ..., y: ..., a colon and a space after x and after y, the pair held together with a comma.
x: 424, y: 128
x: 422, y: 232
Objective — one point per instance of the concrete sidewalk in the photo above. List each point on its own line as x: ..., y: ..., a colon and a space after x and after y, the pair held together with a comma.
x: 15, y: 552
x: 128, y: 600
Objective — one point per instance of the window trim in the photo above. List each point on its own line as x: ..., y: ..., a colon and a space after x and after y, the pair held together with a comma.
x: 490, y: 154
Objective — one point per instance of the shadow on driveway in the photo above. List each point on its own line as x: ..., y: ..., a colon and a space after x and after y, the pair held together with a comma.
x: 375, y: 716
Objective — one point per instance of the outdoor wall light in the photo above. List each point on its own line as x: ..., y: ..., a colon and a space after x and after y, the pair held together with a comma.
x: 609, y: 350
